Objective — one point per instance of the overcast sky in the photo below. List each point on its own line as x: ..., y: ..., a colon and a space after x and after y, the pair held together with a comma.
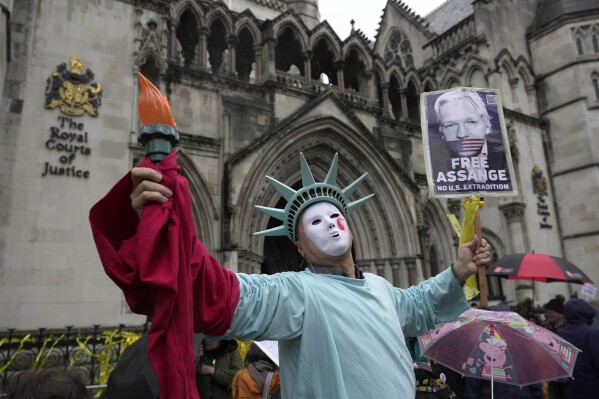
x: 366, y: 13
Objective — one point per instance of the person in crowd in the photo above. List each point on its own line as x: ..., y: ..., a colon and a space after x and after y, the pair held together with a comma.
x: 217, y: 364
x: 554, y: 320
x: 595, y: 305
x: 322, y: 316
x: 578, y: 331
x: 53, y: 383
x: 414, y: 348
x: 554, y: 313
x: 430, y: 384
x: 259, y: 379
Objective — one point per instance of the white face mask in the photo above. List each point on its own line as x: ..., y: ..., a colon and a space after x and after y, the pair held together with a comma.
x: 326, y: 228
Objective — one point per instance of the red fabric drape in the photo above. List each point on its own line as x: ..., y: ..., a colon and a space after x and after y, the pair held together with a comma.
x: 166, y: 273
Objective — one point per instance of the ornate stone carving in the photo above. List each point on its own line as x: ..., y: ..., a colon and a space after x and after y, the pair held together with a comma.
x: 513, y: 212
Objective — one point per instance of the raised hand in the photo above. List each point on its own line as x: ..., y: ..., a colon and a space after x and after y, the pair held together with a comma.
x: 470, y: 258
x: 147, y: 188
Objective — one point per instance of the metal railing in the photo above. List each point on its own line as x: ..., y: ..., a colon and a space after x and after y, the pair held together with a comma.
x: 91, y: 353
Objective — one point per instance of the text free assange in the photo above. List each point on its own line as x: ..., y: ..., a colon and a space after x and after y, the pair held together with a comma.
x: 477, y: 170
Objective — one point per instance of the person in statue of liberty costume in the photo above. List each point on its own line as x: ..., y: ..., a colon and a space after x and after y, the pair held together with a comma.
x: 340, y: 331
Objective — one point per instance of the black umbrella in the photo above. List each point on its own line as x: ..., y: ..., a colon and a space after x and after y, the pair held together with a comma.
x: 133, y: 376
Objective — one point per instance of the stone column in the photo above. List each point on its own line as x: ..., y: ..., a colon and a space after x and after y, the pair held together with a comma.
x: 388, y: 273
x: 232, y: 59
x: 369, y: 77
x: 404, y: 276
x: 231, y: 261
x: 425, y: 242
x: 172, y: 42
x: 268, y: 58
x: 514, y: 215
x: 404, y: 104
x: 380, y: 268
x: 203, y: 48
x: 340, y: 83
x: 371, y: 267
x: 395, y: 273
x: 307, y: 67
x: 258, y: 63
x: 385, y: 89
x: 412, y: 273
x: 532, y: 100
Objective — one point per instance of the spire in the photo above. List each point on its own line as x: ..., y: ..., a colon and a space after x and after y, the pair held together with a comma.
x: 307, y: 10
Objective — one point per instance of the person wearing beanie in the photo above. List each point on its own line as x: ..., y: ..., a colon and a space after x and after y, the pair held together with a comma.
x: 554, y: 313
x: 577, y: 329
x: 554, y: 319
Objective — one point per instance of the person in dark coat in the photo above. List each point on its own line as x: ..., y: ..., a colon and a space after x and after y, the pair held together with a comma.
x: 578, y: 331
x: 554, y: 320
x: 217, y: 364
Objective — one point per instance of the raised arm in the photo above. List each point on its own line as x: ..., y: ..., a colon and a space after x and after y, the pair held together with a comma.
x: 440, y: 298
x: 162, y: 268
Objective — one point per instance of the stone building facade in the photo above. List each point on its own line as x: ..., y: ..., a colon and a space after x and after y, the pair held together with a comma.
x: 253, y: 82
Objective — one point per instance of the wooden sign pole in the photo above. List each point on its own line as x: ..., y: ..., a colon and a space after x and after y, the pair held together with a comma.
x: 482, y: 276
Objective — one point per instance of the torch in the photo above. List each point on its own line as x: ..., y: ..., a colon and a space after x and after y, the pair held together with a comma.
x: 158, y: 134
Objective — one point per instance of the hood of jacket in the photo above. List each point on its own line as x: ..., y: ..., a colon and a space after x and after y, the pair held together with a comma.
x: 579, y: 311
x: 225, y: 347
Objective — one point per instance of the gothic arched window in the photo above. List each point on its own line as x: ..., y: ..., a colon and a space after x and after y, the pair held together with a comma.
x: 579, y: 47
x: 187, y: 35
x: 288, y: 52
x: 245, y: 57
x: 354, y: 72
x: 399, y: 50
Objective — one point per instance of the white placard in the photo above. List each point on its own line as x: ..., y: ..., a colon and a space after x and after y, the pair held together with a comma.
x: 271, y: 348
x: 589, y: 290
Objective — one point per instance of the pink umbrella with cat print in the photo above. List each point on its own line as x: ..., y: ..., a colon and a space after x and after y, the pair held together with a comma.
x: 500, y: 346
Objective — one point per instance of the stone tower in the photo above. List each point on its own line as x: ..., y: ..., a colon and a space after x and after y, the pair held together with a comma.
x: 307, y: 10
x: 564, y: 45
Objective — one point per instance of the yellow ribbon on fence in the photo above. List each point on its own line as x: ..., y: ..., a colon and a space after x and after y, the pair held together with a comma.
x: 39, y: 363
x: 26, y: 338
x: 104, y: 357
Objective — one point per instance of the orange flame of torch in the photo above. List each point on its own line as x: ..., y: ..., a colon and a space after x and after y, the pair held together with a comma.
x: 153, y: 105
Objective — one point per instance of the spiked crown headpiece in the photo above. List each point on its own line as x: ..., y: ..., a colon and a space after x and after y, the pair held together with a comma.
x: 310, y: 193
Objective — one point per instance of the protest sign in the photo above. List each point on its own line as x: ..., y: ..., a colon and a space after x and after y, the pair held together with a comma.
x: 466, y: 146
